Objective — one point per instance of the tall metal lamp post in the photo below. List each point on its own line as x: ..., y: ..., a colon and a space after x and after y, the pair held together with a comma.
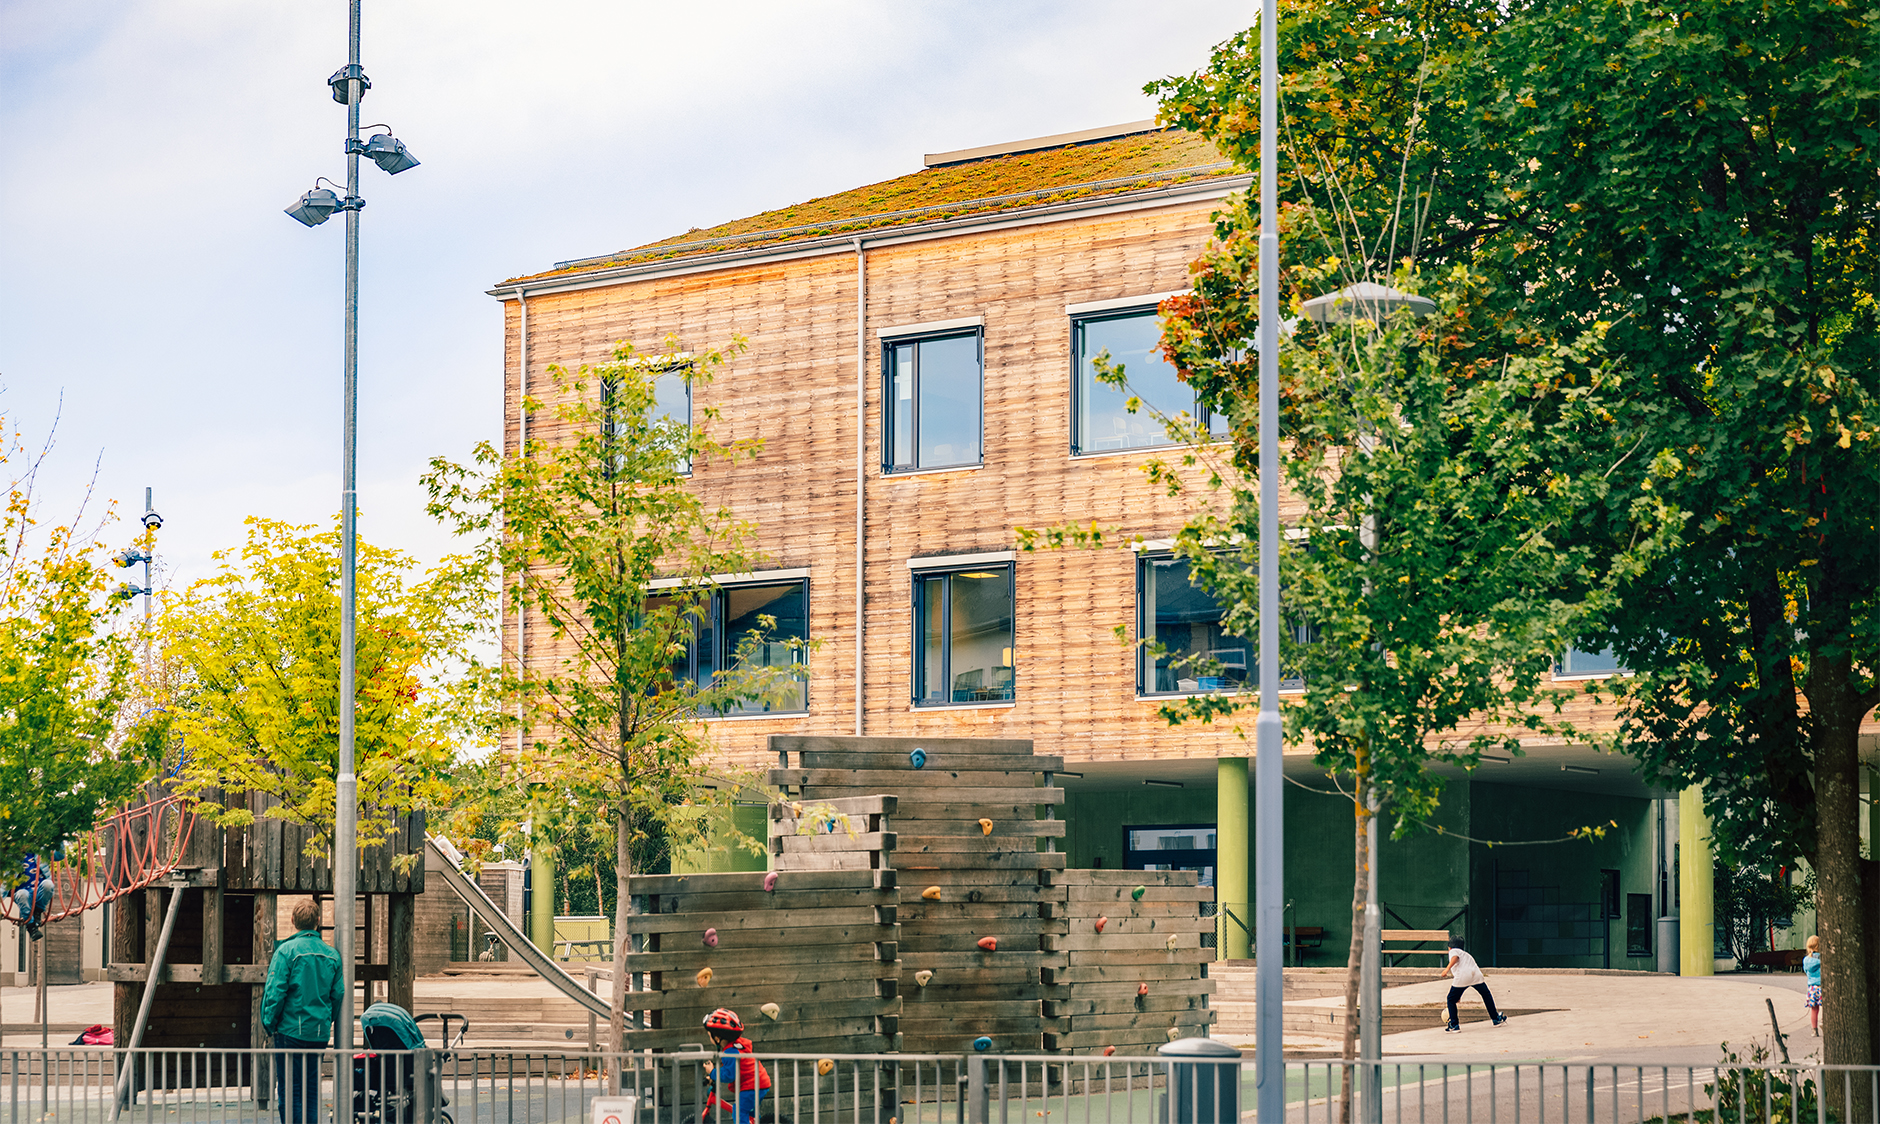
x: 1269, y: 856
x: 349, y: 85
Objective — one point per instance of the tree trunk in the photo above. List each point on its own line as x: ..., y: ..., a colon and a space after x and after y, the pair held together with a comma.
x: 1354, y: 961
x: 1847, y: 1039
x: 623, y: 909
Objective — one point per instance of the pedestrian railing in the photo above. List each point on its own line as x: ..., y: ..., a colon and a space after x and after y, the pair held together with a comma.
x: 228, y: 1086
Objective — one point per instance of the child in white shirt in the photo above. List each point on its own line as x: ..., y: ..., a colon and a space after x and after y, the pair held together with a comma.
x: 1467, y: 974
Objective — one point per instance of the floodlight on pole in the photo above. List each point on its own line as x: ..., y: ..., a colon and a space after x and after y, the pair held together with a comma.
x: 389, y: 153
x: 314, y: 207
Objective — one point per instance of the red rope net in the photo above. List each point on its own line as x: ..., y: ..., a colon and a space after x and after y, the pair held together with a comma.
x: 131, y: 850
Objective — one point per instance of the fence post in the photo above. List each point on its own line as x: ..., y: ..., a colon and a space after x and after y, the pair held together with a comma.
x: 1589, y: 1093
x: 977, y: 1108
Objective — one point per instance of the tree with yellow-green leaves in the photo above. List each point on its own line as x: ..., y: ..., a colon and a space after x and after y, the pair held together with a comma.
x: 250, y: 680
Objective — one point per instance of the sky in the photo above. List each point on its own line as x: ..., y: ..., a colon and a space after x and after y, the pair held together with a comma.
x: 165, y: 325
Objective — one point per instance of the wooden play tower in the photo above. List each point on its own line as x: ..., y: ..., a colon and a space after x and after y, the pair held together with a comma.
x: 224, y: 892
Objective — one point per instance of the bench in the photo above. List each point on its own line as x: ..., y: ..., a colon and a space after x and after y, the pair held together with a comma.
x: 1303, y: 937
x: 601, y: 948
x: 1782, y: 959
x: 1404, y: 942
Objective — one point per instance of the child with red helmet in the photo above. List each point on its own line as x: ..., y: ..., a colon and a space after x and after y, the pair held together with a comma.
x: 738, y: 1071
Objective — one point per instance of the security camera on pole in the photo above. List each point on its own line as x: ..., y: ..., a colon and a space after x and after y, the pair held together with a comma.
x: 349, y: 85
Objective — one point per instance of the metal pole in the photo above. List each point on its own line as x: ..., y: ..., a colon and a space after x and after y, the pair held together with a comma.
x: 345, y: 829
x: 150, y: 548
x: 153, y: 971
x: 1371, y: 977
x: 1269, y: 855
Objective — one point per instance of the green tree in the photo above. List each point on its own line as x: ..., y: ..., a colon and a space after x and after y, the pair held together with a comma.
x: 66, y: 758
x: 1700, y: 182
x: 251, y: 680
x: 604, y: 541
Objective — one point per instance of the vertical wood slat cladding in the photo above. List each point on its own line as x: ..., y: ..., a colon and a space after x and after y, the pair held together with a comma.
x: 1076, y: 685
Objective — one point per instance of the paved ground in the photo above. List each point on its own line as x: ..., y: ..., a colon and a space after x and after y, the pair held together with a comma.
x: 1650, y: 1019
x: 1661, y: 1020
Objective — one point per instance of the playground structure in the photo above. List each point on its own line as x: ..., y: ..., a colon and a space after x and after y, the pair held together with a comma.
x: 135, y: 848
x: 189, y: 954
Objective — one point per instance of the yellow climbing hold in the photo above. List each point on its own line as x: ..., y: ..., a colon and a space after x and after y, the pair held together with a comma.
x: 1173, y: 940
x: 931, y: 893
x: 1174, y: 1032
x: 825, y: 1067
x: 921, y: 977
x: 985, y: 827
x: 704, y: 977
x: 771, y: 1011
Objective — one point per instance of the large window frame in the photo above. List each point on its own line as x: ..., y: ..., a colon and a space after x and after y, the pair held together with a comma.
x: 671, y: 376
x: 714, y: 645
x: 934, y: 616
x: 1085, y: 388
x: 1247, y: 667
x: 901, y: 381
x: 1588, y: 663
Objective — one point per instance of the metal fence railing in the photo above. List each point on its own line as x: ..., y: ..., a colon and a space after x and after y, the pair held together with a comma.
x: 83, y: 1085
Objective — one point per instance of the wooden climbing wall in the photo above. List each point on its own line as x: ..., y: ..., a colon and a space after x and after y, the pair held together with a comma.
x: 1152, y: 941
x: 820, y: 945
x: 976, y: 827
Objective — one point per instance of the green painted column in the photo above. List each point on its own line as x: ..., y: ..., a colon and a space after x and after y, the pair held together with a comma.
x: 1232, y: 849
x: 542, y: 899
x: 1697, y: 928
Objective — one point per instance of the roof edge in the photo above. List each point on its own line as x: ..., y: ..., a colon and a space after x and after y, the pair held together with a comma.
x: 1038, y: 144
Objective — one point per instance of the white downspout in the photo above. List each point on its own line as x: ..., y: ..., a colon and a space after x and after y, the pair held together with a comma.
x: 861, y: 468
x: 522, y: 445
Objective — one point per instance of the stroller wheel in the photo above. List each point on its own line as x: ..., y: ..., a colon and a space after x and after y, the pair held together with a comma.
x: 444, y: 1117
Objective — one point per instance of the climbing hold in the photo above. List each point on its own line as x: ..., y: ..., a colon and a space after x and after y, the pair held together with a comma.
x: 990, y: 944
x: 704, y: 977
x: 1108, y: 1050
x: 1174, y: 1032
x: 918, y: 758
x: 825, y: 1066
x: 770, y: 882
x: 1142, y: 989
x: 975, y: 895
x: 1101, y: 922
x: 711, y: 938
x: 771, y: 1011
x: 985, y: 827
x: 982, y: 1043
x: 931, y: 893
x: 1173, y: 940
x: 921, y: 977
x: 1137, y: 893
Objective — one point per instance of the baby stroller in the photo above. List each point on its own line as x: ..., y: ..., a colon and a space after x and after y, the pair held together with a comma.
x: 386, y: 1086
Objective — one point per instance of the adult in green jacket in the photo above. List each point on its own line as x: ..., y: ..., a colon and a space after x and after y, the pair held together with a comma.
x: 298, y: 1006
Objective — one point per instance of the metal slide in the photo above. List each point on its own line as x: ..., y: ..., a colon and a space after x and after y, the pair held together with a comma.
x: 519, y: 944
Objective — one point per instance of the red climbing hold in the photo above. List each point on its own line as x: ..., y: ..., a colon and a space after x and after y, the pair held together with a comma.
x: 770, y: 882
x: 990, y: 944
x: 1101, y: 922
x: 1142, y: 989
x: 1108, y: 1050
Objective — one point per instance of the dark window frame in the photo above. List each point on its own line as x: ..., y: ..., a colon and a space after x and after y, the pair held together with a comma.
x: 1204, y: 415
x: 1145, y: 665
x: 918, y: 662
x: 724, y: 649
x: 1563, y: 671
x: 888, y: 370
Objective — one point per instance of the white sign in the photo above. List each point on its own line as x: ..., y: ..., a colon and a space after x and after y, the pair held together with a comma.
x: 614, y: 1110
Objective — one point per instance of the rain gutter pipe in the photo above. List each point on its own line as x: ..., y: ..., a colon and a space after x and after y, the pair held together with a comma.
x: 861, y: 466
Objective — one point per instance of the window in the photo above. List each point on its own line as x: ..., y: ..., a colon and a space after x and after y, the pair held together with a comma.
x: 1174, y: 847
x: 931, y: 403
x: 672, y: 399
x: 1100, y: 419
x: 963, y: 636
x: 1580, y: 661
x: 729, y: 622
x: 1186, y: 620
x: 1638, y: 925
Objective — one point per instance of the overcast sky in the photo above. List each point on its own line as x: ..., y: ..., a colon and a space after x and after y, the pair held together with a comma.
x: 186, y: 334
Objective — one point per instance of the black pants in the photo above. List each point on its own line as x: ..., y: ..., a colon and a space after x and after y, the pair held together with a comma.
x: 297, y: 1079
x: 1455, y: 993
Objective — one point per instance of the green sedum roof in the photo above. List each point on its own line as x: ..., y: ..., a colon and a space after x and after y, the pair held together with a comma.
x: 996, y: 183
